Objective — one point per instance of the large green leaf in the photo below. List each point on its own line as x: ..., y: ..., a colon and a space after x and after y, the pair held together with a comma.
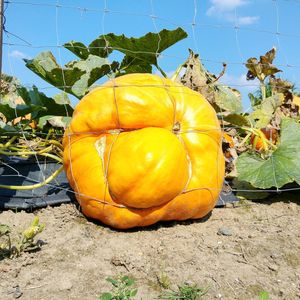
x: 45, y: 66
x: 94, y: 67
x: 147, y: 47
x: 56, y: 106
x: 76, y: 77
x: 282, y: 167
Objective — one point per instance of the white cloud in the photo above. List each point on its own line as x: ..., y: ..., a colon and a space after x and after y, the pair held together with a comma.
x: 18, y: 54
x: 225, y: 9
x: 223, y: 6
x: 248, y: 20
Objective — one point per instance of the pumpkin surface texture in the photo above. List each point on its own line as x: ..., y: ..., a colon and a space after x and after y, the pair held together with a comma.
x: 141, y: 149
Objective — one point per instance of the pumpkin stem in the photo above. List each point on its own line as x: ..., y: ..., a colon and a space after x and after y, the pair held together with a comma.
x: 176, y: 127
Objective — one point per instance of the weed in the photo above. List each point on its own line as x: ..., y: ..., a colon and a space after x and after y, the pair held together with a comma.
x: 185, y: 291
x: 122, y: 289
x: 243, y: 202
x: 163, y: 280
x: 25, y: 243
x: 263, y: 295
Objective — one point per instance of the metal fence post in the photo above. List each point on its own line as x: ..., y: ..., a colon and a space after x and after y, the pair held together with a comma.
x: 1, y: 32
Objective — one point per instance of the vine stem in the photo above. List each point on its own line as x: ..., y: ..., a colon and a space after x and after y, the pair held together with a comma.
x: 49, y: 133
x: 27, y: 153
x: 8, y: 143
x: 245, y: 139
x: 33, y: 186
x: 263, y: 90
x: 56, y: 143
x: 177, y: 72
x: 161, y: 71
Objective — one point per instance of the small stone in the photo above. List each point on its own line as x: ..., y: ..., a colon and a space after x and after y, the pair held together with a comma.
x: 16, y: 291
x: 275, y: 255
x: 65, y: 285
x: 273, y: 267
x: 225, y: 231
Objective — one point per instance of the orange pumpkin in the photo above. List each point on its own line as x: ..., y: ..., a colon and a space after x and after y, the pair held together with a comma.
x: 141, y: 149
x: 270, y: 134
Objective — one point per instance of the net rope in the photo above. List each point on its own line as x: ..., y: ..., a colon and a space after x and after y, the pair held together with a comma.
x: 195, y: 25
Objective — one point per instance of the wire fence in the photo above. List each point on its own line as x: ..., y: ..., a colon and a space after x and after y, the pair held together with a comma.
x: 60, y: 17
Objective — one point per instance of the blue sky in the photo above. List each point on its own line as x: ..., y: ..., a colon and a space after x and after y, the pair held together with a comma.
x: 225, y: 31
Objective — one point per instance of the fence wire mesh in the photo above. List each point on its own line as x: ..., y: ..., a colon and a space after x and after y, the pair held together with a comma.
x: 220, y: 32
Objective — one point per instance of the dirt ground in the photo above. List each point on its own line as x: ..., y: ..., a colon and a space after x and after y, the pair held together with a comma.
x: 236, y: 252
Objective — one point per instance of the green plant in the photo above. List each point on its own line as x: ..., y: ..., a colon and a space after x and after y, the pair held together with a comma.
x: 266, y: 164
x: 267, y: 139
x: 263, y: 295
x: 25, y: 243
x: 123, y: 289
x: 163, y: 280
x: 185, y: 291
x: 32, y: 124
x: 79, y: 76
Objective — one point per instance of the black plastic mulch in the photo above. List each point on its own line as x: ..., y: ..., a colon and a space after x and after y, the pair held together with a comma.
x: 18, y: 172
